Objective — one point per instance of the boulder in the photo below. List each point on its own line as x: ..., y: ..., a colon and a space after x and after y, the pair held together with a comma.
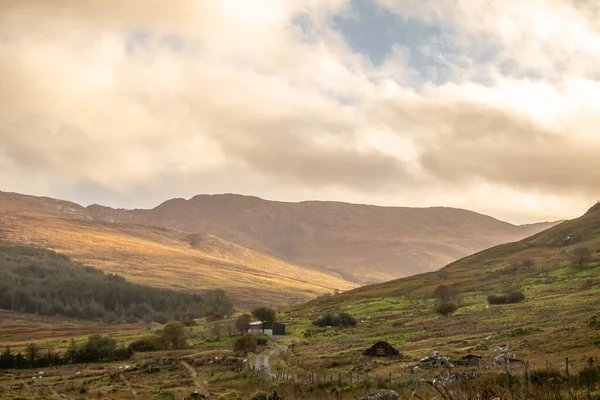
x: 382, y: 394
x: 471, y: 360
x: 381, y: 349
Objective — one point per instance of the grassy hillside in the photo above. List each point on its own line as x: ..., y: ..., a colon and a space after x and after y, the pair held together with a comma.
x: 555, y: 321
x: 167, y: 258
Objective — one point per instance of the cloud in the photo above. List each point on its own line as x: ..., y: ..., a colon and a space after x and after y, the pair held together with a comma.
x: 132, y: 102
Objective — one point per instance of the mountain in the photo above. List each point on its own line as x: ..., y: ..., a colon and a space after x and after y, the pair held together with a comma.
x: 361, y: 243
x: 557, y: 270
x: 157, y: 256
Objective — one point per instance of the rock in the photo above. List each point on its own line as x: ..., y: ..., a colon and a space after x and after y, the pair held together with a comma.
x: 482, y: 346
x: 382, y: 394
x: 195, y: 395
x: 459, y: 377
x: 381, y: 349
x: 471, y: 360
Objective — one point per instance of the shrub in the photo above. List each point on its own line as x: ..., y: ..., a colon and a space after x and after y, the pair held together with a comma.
x: 496, y: 299
x: 508, y: 298
x: 347, y: 319
x: 342, y: 319
x: 174, y: 335
x: 148, y: 343
x: 327, y: 320
x: 515, y: 297
x: 446, y: 308
x: 245, y: 343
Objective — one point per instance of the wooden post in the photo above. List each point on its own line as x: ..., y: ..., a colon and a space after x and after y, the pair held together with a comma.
x: 527, y: 376
x: 547, y: 366
x: 390, y: 378
x: 567, y: 365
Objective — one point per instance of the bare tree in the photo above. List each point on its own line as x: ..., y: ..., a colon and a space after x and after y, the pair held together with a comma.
x: 217, y: 329
x: 243, y: 323
x: 445, y: 292
x: 580, y: 256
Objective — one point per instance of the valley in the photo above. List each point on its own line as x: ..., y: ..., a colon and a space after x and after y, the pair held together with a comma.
x: 554, y: 329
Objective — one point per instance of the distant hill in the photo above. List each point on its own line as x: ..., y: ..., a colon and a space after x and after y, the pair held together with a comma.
x: 157, y: 256
x: 362, y: 243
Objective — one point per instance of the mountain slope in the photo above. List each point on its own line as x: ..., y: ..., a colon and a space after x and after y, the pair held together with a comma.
x: 558, y: 319
x: 158, y: 256
x: 360, y: 242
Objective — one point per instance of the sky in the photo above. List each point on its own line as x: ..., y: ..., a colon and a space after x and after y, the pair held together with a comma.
x: 488, y: 105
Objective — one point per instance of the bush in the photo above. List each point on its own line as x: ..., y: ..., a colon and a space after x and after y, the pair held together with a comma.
x: 496, y: 299
x: 342, y: 319
x: 515, y: 297
x: 347, y: 319
x: 446, y: 308
x: 245, y: 343
x: 148, y: 343
x: 173, y: 335
x: 508, y: 298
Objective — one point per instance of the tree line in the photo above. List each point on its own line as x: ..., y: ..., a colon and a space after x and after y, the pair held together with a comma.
x: 40, y: 281
x: 96, y: 348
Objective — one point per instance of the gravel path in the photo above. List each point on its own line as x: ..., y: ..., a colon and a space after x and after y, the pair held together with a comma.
x: 263, y: 361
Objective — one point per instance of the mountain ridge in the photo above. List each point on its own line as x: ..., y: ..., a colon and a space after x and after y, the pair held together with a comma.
x: 363, y: 243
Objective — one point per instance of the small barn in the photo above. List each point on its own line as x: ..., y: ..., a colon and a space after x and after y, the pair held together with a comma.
x: 268, y: 328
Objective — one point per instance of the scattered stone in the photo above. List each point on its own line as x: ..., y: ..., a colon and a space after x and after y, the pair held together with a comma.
x: 195, y: 395
x: 437, y: 361
x: 381, y: 349
x: 503, y: 348
x: 382, y: 394
x: 459, y: 377
x: 524, y: 343
x: 481, y: 346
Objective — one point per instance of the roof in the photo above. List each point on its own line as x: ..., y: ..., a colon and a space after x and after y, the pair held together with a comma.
x: 256, y: 323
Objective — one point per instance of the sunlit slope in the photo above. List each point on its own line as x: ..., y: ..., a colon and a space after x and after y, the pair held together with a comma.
x: 556, y: 319
x: 170, y: 259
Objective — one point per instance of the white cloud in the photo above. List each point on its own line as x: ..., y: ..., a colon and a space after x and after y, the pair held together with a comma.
x: 132, y: 99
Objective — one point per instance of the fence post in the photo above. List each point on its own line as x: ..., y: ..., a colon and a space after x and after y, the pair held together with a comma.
x: 567, y: 365
x: 527, y: 377
x: 547, y: 366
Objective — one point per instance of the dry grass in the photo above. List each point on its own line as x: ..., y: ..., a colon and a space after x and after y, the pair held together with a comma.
x: 171, y: 259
